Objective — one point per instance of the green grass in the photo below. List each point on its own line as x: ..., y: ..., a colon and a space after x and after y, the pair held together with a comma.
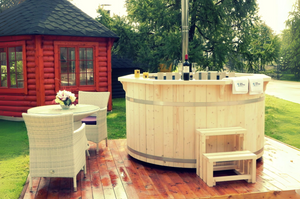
x: 282, y: 121
x: 289, y: 77
x: 13, y: 158
x: 116, y: 120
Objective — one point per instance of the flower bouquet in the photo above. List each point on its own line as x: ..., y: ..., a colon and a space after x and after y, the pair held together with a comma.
x: 65, y: 98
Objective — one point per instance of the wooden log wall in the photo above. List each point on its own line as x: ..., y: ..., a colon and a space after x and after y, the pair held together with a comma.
x: 104, y: 69
x: 31, y: 68
x: 48, y: 62
x: 102, y: 63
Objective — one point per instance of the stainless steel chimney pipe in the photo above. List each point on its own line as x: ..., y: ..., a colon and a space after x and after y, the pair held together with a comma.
x: 185, y: 27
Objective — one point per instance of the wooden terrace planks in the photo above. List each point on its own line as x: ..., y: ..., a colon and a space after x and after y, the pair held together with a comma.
x: 114, y: 174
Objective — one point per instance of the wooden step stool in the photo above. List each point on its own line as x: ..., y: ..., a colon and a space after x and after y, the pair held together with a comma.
x: 245, y: 166
x: 204, y: 134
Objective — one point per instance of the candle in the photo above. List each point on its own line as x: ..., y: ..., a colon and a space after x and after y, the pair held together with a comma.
x: 145, y: 75
x: 137, y: 73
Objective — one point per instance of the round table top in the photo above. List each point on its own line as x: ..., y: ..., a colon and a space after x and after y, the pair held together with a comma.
x: 80, y: 111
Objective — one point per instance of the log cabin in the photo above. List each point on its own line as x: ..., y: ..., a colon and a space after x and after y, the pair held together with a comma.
x: 47, y: 46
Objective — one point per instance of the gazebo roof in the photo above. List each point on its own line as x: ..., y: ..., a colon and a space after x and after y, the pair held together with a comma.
x: 50, y: 17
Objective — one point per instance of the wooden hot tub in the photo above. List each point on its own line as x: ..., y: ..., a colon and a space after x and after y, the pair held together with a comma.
x: 162, y: 117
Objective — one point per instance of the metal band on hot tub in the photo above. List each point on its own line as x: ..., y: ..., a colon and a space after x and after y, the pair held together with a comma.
x: 195, y: 104
x: 166, y: 159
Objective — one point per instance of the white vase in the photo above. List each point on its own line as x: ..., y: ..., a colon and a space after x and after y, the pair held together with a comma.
x: 64, y: 106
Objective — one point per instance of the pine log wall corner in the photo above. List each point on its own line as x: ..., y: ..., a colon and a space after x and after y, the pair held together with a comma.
x: 42, y: 70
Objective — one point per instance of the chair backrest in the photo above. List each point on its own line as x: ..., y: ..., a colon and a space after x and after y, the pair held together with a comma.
x: 94, y: 98
x: 49, y: 131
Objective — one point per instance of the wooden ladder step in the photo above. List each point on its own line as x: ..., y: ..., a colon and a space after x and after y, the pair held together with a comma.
x: 222, y: 131
x: 246, y: 166
x: 237, y: 143
x: 230, y: 156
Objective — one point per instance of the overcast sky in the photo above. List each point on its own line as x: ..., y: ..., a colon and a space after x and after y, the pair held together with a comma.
x: 273, y: 12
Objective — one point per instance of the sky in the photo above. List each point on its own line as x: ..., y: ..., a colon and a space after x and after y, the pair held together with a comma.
x: 273, y: 12
x: 90, y: 6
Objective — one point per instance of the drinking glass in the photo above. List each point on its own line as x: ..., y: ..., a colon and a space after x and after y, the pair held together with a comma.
x: 180, y: 69
x: 194, y: 67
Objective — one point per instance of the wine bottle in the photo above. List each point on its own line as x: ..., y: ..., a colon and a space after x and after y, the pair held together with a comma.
x: 186, y: 69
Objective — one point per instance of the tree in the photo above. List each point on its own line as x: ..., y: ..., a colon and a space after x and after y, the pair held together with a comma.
x: 290, y: 51
x: 264, y: 48
x: 286, y: 51
x: 128, y: 42
x: 219, y: 31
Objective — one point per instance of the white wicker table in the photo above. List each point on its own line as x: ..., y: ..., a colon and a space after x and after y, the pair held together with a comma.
x: 79, y: 111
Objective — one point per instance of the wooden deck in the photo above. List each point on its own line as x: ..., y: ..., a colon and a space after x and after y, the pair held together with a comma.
x: 114, y: 174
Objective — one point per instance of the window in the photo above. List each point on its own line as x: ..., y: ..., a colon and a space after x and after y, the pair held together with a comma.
x: 76, y: 66
x: 67, y: 67
x: 12, y: 72
x: 86, y: 66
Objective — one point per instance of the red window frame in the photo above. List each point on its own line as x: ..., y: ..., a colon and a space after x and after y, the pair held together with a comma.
x: 9, y: 89
x: 76, y: 45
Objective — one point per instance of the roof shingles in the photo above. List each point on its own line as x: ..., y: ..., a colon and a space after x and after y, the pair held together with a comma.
x: 55, y: 17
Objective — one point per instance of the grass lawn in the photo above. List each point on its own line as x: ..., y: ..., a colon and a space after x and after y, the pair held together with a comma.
x: 13, y: 158
x: 288, y: 76
x: 282, y: 123
x: 116, y: 120
x: 282, y: 120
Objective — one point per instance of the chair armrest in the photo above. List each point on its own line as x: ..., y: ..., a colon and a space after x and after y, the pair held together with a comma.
x: 101, y: 115
x: 79, y: 133
x: 80, y: 128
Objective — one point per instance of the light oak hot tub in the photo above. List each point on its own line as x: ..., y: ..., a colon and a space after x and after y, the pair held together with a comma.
x: 162, y: 117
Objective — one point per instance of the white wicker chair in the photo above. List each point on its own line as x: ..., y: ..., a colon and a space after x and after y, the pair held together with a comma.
x: 55, y: 149
x: 96, y: 131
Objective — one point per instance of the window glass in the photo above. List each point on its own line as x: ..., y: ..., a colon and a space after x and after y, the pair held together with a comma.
x: 86, y: 66
x: 20, y: 80
x: 67, y: 66
x: 64, y: 79
x: 89, y: 52
x: 90, y: 73
x: 11, y: 60
x: 12, y: 73
x: 72, y: 79
x: 19, y: 53
x: 81, y: 53
x: 84, y: 73
x: 83, y: 77
x: 13, y: 80
x: 12, y: 53
x: 72, y: 67
x: 3, y: 71
x: 63, y: 54
x: 63, y: 67
x: 71, y: 53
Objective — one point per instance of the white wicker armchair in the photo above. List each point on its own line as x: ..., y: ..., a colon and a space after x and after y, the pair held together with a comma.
x: 96, y: 126
x: 55, y: 149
